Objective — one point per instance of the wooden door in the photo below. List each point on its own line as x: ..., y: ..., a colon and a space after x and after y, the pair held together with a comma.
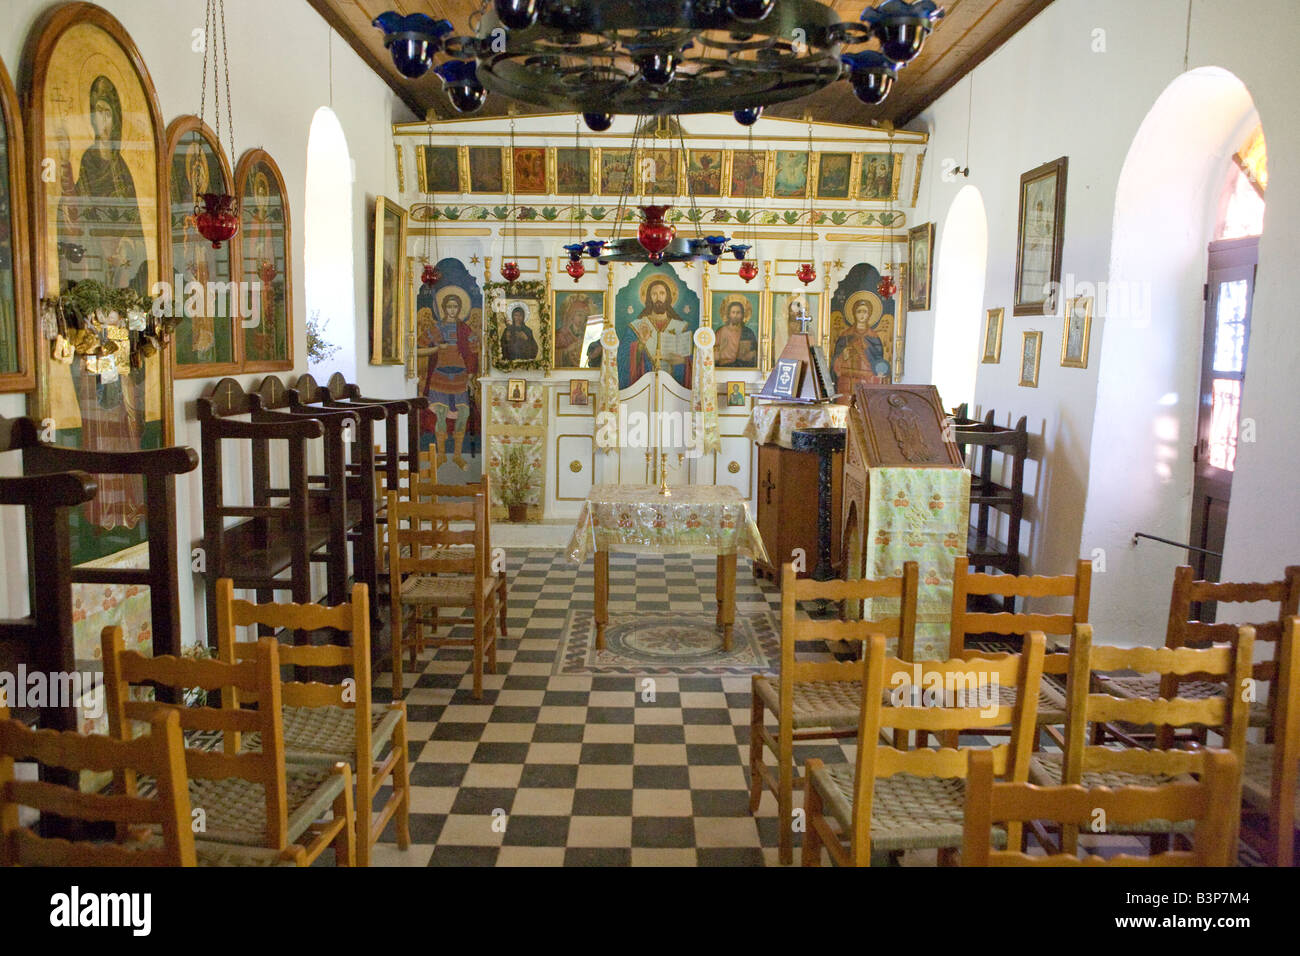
x: 1229, y: 293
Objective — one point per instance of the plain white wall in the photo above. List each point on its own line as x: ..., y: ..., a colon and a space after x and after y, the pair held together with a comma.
x: 1078, y: 81
x: 280, y: 73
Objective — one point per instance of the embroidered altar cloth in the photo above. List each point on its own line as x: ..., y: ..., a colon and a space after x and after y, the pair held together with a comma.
x: 701, y: 518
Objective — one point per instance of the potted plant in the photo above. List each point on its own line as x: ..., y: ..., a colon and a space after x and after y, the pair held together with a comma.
x: 516, y: 481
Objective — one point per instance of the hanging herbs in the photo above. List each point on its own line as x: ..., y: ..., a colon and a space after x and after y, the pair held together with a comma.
x: 90, y: 318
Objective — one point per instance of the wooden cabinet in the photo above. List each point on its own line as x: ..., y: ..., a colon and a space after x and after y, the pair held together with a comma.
x: 787, y: 507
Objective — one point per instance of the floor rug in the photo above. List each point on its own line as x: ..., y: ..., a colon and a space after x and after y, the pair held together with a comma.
x: 664, y: 643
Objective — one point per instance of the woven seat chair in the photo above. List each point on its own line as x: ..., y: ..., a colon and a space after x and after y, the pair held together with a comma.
x: 1076, y: 587
x: 1205, y: 805
x: 160, y: 754
x: 426, y: 487
x: 1184, y: 631
x: 429, y: 568
x: 254, y: 810
x: 816, y: 700
x: 893, y: 799
x: 1270, y: 770
x: 328, y: 723
x: 1093, y: 766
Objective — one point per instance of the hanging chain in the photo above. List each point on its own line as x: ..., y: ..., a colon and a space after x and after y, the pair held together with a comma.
x: 577, y: 145
x: 430, y: 199
x: 225, y: 57
x: 749, y: 198
x: 514, y: 210
x: 808, y: 187
x: 690, y: 190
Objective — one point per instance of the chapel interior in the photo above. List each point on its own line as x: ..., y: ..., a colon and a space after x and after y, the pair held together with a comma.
x: 585, y: 433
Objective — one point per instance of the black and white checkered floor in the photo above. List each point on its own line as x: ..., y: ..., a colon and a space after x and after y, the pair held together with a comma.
x: 551, y: 769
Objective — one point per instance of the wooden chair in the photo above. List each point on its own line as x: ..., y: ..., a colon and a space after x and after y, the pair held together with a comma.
x: 1076, y: 587
x: 1184, y: 631
x: 895, y: 800
x: 161, y: 755
x: 255, y: 810
x: 1207, y: 803
x: 816, y: 700
x: 426, y: 487
x: 427, y: 570
x: 1095, y: 766
x: 329, y: 723
x: 1269, y: 774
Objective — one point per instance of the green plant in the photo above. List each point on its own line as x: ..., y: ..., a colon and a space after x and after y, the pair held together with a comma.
x: 516, y: 478
x: 319, y: 349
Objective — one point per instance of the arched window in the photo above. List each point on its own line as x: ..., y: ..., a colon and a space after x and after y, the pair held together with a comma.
x: 1241, y: 211
x: 959, y: 294
x: 327, y: 250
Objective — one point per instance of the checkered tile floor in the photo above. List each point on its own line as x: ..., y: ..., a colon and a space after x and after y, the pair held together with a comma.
x: 550, y: 770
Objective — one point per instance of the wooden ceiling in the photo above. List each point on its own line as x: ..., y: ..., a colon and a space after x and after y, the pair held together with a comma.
x: 970, y: 31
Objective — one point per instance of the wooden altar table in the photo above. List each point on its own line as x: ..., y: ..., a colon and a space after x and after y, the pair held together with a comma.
x: 693, y: 518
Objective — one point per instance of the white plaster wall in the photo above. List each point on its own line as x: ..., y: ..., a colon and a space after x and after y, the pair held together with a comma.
x: 1048, y: 93
x: 280, y: 73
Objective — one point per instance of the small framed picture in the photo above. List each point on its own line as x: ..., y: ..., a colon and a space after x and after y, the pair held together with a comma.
x: 516, y: 390
x: 579, y: 391
x: 920, y: 252
x: 1078, y: 330
x: 1031, y: 353
x: 1040, y: 236
x: 993, y: 337
x: 735, y: 394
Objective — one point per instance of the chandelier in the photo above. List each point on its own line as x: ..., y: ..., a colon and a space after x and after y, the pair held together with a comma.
x: 660, y: 57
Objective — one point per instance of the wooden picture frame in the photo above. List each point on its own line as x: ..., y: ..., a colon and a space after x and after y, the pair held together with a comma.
x: 739, y: 352
x: 528, y: 167
x: 567, y: 305
x: 778, y: 311
x: 877, y: 185
x: 753, y: 167
x: 77, y: 53
x: 704, y: 168
x: 1040, y: 237
x: 834, y: 176
x: 573, y: 178
x: 526, y: 349
x: 517, y: 391
x: 265, y: 253
x: 993, y: 336
x: 1031, y: 354
x: 920, y: 262
x: 486, y: 169
x: 387, y: 284
x: 438, y: 169
x: 736, y: 394
x: 1076, y: 332
x: 191, y: 258
x: 17, y: 362
x: 579, y: 392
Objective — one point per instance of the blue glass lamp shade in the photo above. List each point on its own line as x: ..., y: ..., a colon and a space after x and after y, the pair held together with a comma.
x: 902, y: 27
x: 739, y: 251
x: 594, y: 246
x: 657, y: 66
x: 460, y: 80
x: 715, y: 244
x: 517, y: 14
x: 748, y: 115
x: 598, y: 122
x: 574, y: 249
x: 750, y: 11
x: 412, y: 40
x: 871, y: 74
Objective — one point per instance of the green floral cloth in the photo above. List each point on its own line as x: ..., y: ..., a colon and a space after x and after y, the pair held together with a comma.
x: 712, y: 518
x: 775, y: 422
x: 921, y: 515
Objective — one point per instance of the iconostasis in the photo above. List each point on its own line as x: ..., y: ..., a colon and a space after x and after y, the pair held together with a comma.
x: 518, y: 362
